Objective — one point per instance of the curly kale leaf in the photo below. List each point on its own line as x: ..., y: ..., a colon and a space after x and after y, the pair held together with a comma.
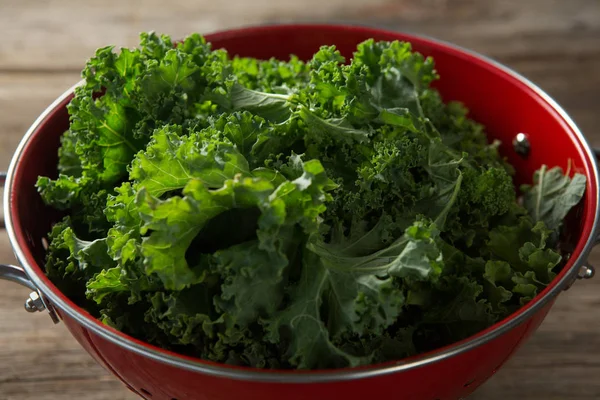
x: 552, y: 195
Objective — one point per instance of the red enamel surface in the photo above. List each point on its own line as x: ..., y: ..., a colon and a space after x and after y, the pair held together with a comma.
x: 505, y: 105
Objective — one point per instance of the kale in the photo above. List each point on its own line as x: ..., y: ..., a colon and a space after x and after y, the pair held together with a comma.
x: 291, y: 214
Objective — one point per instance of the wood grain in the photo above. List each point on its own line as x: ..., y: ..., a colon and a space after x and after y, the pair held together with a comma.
x: 555, y: 43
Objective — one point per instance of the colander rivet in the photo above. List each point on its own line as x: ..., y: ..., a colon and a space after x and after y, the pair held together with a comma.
x: 586, y: 271
x: 521, y: 144
x: 34, y: 303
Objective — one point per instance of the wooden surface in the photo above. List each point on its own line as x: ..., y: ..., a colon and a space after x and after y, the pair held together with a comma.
x: 555, y: 43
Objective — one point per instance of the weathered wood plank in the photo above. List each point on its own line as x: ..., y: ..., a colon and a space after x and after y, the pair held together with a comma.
x: 61, y: 34
x: 23, y: 97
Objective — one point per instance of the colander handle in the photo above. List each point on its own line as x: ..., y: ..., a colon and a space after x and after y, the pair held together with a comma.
x: 16, y: 274
x: 35, y: 302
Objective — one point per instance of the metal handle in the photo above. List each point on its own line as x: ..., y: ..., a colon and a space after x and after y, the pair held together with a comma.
x: 16, y: 274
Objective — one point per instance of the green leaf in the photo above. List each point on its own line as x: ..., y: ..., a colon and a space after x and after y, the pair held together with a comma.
x: 401, y: 117
x: 91, y: 256
x: 362, y: 304
x: 271, y: 106
x: 337, y: 129
x: 72, y: 261
x: 252, y: 281
x: 243, y: 129
x: 497, y: 274
x: 540, y: 261
x: 506, y: 241
x: 358, y: 295
x: 173, y: 224
x: 253, y: 136
x: 524, y: 247
x: 310, y: 344
x: 172, y: 159
x: 421, y: 256
x: 109, y: 135
x: 443, y: 169
x: 525, y: 285
x: 415, y: 255
x: 458, y: 301
x: 176, y: 70
x: 62, y: 192
x: 106, y: 282
x: 552, y: 195
x: 185, y: 317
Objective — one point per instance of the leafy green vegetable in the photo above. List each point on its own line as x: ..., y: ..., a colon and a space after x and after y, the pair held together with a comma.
x: 552, y: 195
x: 291, y: 214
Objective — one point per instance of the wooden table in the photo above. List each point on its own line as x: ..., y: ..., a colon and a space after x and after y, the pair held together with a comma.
x: 44, y: 44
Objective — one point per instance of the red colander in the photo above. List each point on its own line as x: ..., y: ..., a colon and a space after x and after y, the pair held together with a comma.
x: 534, y: 130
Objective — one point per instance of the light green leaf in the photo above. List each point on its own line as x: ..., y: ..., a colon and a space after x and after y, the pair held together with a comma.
x: 552, y: 195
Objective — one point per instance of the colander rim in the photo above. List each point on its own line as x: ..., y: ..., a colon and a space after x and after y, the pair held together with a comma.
x: 224, y: 371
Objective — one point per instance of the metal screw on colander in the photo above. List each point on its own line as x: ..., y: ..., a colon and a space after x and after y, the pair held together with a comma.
x: 34, y: 303
x: 586, y: 271
x: 521, y: 144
